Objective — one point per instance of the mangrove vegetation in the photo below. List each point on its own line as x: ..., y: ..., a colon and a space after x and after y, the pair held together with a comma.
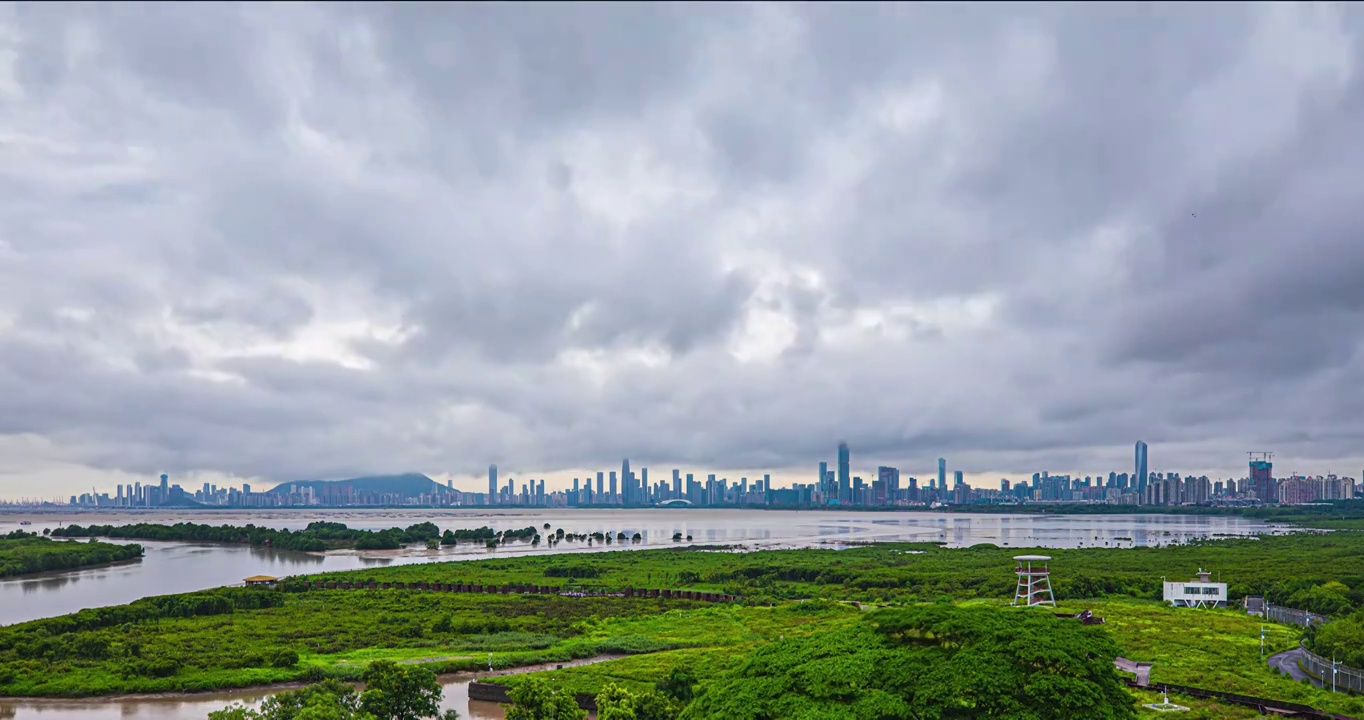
x: 23, y: 553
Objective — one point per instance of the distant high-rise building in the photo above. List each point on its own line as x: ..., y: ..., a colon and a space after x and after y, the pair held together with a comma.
x: 957, y: 479
x: 823, y: 483
x: 942, y: 474
x: 612, y: 496
x: 601, y: 487
x: 677, y: 483
x: 1262, y: 480
x: 626, y: 480
x: 492, y: 484
x: 844, y: 473
x: 1139, y: 474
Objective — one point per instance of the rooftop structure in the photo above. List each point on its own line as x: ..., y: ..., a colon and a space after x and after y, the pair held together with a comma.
x: 260, y: 580
x: 1034, y: 581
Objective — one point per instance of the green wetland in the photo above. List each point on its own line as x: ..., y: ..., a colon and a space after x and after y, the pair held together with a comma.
x: 883, y: 631
x: 23, y: 553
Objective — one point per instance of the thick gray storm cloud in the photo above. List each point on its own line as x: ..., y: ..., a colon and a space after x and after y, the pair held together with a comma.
x: 293, y: 240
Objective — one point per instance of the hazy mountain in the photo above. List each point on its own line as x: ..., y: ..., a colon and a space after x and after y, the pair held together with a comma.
x: 406, y: 484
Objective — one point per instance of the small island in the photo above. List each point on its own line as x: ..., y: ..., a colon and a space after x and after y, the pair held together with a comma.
x: 316, y: 537
x: 25, y: 553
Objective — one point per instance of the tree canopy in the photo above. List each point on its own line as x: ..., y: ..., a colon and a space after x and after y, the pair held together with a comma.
x: 392, y: 692
x: 931, y: 662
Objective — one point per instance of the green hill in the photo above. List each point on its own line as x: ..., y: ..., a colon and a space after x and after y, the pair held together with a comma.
x: 406, y: 484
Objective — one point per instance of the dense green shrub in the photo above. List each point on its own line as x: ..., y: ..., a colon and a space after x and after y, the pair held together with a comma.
x: 283, y: 658
x: 316, y: 537
x: 23, y: 553
x: 573, y: 571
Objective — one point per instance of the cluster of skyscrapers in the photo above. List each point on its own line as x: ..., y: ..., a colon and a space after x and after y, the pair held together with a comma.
x: 628, y: 488
x: 135, y: 495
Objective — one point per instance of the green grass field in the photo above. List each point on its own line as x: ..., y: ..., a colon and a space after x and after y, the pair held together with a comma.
x: 336, y: 633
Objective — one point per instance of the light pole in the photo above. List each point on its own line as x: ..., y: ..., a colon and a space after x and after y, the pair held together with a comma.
x: 1335, y: 668
x: 1262, y: 641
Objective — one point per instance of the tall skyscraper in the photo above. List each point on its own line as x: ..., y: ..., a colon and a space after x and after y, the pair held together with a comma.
x: 492, y: 484
x: 942, y: 474
x: 1262, y: 480
x: 823, y: 484
x: 1139, y: 471
x: 613, y: 498
x: 844, y: 475
x: 677, y: 483
x: 957, y: 479
x: 601, y: 488
x: 627, y: 485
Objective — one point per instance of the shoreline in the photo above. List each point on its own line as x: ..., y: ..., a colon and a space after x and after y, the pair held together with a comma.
x: 45, y: 574
x: 272, y: 688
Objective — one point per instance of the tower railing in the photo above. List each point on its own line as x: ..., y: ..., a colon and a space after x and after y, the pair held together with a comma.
x: 1034, y: 581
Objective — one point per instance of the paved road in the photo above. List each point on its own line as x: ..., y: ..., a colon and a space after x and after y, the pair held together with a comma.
x: 1287, y: 662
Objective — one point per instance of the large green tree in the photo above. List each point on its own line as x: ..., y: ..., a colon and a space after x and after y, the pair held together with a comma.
x: 534, y: 699
x: 935, y: 662
x: 617, y: 703
x: 400, y: 692
x: 327, y: 700
x: 392, y: 692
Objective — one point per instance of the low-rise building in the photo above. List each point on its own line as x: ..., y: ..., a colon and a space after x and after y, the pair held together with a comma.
x: 1198, y: 592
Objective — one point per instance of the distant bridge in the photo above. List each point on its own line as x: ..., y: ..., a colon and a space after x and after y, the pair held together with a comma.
x: 675, y: 502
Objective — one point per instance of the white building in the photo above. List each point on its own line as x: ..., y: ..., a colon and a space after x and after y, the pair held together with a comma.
x: 1199, y: 592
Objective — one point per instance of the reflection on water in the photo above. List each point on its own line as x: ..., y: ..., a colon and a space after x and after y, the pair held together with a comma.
x: 172, y: 567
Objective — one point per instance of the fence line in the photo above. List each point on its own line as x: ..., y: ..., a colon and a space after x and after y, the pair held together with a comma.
x: 1283, y: 614
x: 1294, y: 616
x: 1346, y: 677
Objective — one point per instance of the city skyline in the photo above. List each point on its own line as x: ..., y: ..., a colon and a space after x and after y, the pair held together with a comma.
x: 840, y: 486
x: 837, y: 488
x: 784, y: 478
x: 416, y: 237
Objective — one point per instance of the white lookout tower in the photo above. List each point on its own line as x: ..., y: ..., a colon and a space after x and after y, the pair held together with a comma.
x: 1034, y: 581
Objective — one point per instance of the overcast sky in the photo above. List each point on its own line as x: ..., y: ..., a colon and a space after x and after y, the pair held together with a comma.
x: 284, y: 241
